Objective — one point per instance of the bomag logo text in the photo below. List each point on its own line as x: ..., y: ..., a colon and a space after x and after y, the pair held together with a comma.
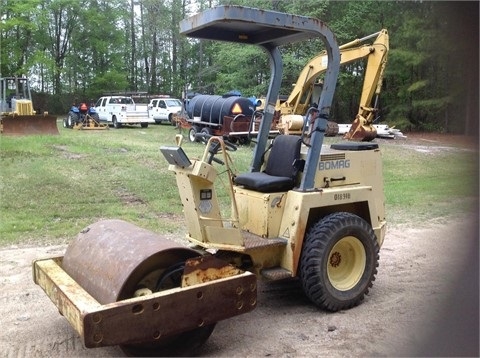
x: 334, y: 164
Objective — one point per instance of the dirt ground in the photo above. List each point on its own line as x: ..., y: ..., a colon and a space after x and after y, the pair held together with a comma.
x: 424, y: 302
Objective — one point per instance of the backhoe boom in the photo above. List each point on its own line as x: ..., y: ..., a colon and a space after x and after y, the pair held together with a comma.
x: 303, y: 95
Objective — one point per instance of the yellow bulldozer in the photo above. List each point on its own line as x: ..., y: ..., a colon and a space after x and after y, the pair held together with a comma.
x: 304, y: 210
x: 18, y: 116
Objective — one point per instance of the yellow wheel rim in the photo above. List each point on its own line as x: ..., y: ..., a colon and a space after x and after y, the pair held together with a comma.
x: 346, y: 263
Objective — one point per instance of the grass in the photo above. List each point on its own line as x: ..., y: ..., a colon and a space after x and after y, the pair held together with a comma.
x: 423, y: 184
x: 51, y: 187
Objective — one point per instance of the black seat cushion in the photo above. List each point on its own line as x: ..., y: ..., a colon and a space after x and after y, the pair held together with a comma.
x: 264, y: 183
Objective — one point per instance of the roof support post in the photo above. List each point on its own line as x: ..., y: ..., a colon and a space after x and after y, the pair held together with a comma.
x: 276, y: 69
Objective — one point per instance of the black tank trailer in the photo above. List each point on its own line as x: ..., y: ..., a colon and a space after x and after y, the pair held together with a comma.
x: 231, y: 116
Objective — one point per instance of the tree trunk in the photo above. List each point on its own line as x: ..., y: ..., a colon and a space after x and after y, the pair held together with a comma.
x: 153, y: 61
x: 133, y: 64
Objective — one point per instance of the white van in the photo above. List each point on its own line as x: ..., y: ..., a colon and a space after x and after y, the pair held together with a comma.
x: 163, y: 109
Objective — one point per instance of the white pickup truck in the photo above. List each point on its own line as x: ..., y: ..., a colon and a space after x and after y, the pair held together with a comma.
x: 120, y: 110
x: 163, y: 109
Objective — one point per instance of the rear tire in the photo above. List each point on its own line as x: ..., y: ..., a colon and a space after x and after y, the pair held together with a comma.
x: 115, y: 123
x: 96, y: 119
x: 71, y: 120
x: 207, y: 131
x: 243, y: 140
x: 171, y: 120
x: 192, y: 132
x: 339, y: 261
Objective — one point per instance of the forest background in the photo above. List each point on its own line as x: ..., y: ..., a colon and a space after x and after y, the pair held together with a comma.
x: 79, y: 50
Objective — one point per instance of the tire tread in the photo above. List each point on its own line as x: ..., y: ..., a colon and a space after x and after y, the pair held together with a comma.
x: 315, y: 249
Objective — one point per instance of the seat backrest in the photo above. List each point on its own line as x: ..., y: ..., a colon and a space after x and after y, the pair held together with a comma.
x: 285, y: 150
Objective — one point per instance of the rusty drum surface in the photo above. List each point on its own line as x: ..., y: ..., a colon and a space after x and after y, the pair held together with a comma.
x: 110, y: 257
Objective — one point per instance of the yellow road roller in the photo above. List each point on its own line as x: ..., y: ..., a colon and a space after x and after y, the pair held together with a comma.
x: 303, y: 210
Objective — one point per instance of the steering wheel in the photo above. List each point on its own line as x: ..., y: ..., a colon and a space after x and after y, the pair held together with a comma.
x: 205, y: 137
x: 215, y: 146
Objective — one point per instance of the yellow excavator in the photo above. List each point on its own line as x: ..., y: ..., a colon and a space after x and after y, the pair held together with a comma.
x: 307, y: 89
x: 16, y: 109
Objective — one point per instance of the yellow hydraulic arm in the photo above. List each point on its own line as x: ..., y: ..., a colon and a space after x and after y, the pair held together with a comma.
x: 300, y: 98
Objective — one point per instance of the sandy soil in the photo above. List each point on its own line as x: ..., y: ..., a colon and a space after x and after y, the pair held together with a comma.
x: 424, y: 302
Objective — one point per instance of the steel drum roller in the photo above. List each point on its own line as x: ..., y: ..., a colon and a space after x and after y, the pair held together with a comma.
x: 110, y: 258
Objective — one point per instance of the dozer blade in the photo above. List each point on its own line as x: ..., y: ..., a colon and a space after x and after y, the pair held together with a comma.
x: 134, y: 295
x: 18, y: 125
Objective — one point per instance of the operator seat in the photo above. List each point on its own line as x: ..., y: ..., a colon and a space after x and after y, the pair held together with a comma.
x: 281, y: 169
